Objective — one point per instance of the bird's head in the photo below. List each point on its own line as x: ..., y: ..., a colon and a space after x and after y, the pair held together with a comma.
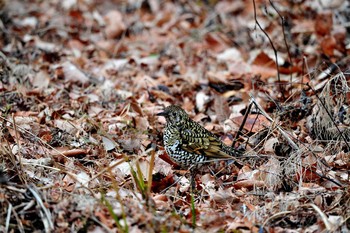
x: 174, y: 115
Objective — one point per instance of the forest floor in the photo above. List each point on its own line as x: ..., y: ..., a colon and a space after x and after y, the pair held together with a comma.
x: 81, y: 146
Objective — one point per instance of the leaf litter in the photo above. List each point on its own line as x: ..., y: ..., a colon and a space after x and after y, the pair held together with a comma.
x: 81, y: 146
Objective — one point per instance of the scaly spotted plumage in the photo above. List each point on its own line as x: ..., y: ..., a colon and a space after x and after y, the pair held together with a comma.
x: 188, y: 143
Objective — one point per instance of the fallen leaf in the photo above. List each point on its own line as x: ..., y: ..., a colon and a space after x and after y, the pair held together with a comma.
x: 114, y: 24
x: 72, y: 73
x: 108, y: 144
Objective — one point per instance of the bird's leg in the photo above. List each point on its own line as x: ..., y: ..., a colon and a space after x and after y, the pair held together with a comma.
x: 240, y: 130
x: 193, y: 173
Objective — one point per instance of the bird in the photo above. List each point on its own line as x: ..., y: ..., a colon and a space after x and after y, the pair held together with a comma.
x: 188, y: 143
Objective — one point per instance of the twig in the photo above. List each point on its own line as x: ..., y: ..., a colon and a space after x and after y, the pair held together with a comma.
x: 44, y: 209
x: 8, y: 217
x: 19, y: 222
x: 274, y: 50
x: 12, y: 188
x: 284, y: 38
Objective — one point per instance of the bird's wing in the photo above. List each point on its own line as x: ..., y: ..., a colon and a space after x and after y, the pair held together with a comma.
x: 202, y: 142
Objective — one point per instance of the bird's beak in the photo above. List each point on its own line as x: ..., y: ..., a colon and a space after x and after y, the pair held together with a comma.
x: 164, y: 113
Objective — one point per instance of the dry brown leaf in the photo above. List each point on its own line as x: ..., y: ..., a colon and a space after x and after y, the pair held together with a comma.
x: 95, y: 110
x: 222, y: 109
x: 253, y: 123
x: 216, y: 42
x: 161, y: 166
x: 108, y: 144
x: 65, y: 126
x: 142, y: 123
x: 162, y: 202
x: 114, y: 24
x: 303, y: 26
x: 248, y: 178
x: 269, y: 144
x: 328, y: 45
x: 222, y: 195
x: 161, y: 95
x: 324, y: 23
x: 72, y: 73
x: 41, y: 80
x: 264, y: 66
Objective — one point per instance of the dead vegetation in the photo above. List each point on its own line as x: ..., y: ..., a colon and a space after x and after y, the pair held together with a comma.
x: 82, y: 81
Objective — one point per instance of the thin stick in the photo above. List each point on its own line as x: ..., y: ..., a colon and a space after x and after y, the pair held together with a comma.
x: 274, y: 50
